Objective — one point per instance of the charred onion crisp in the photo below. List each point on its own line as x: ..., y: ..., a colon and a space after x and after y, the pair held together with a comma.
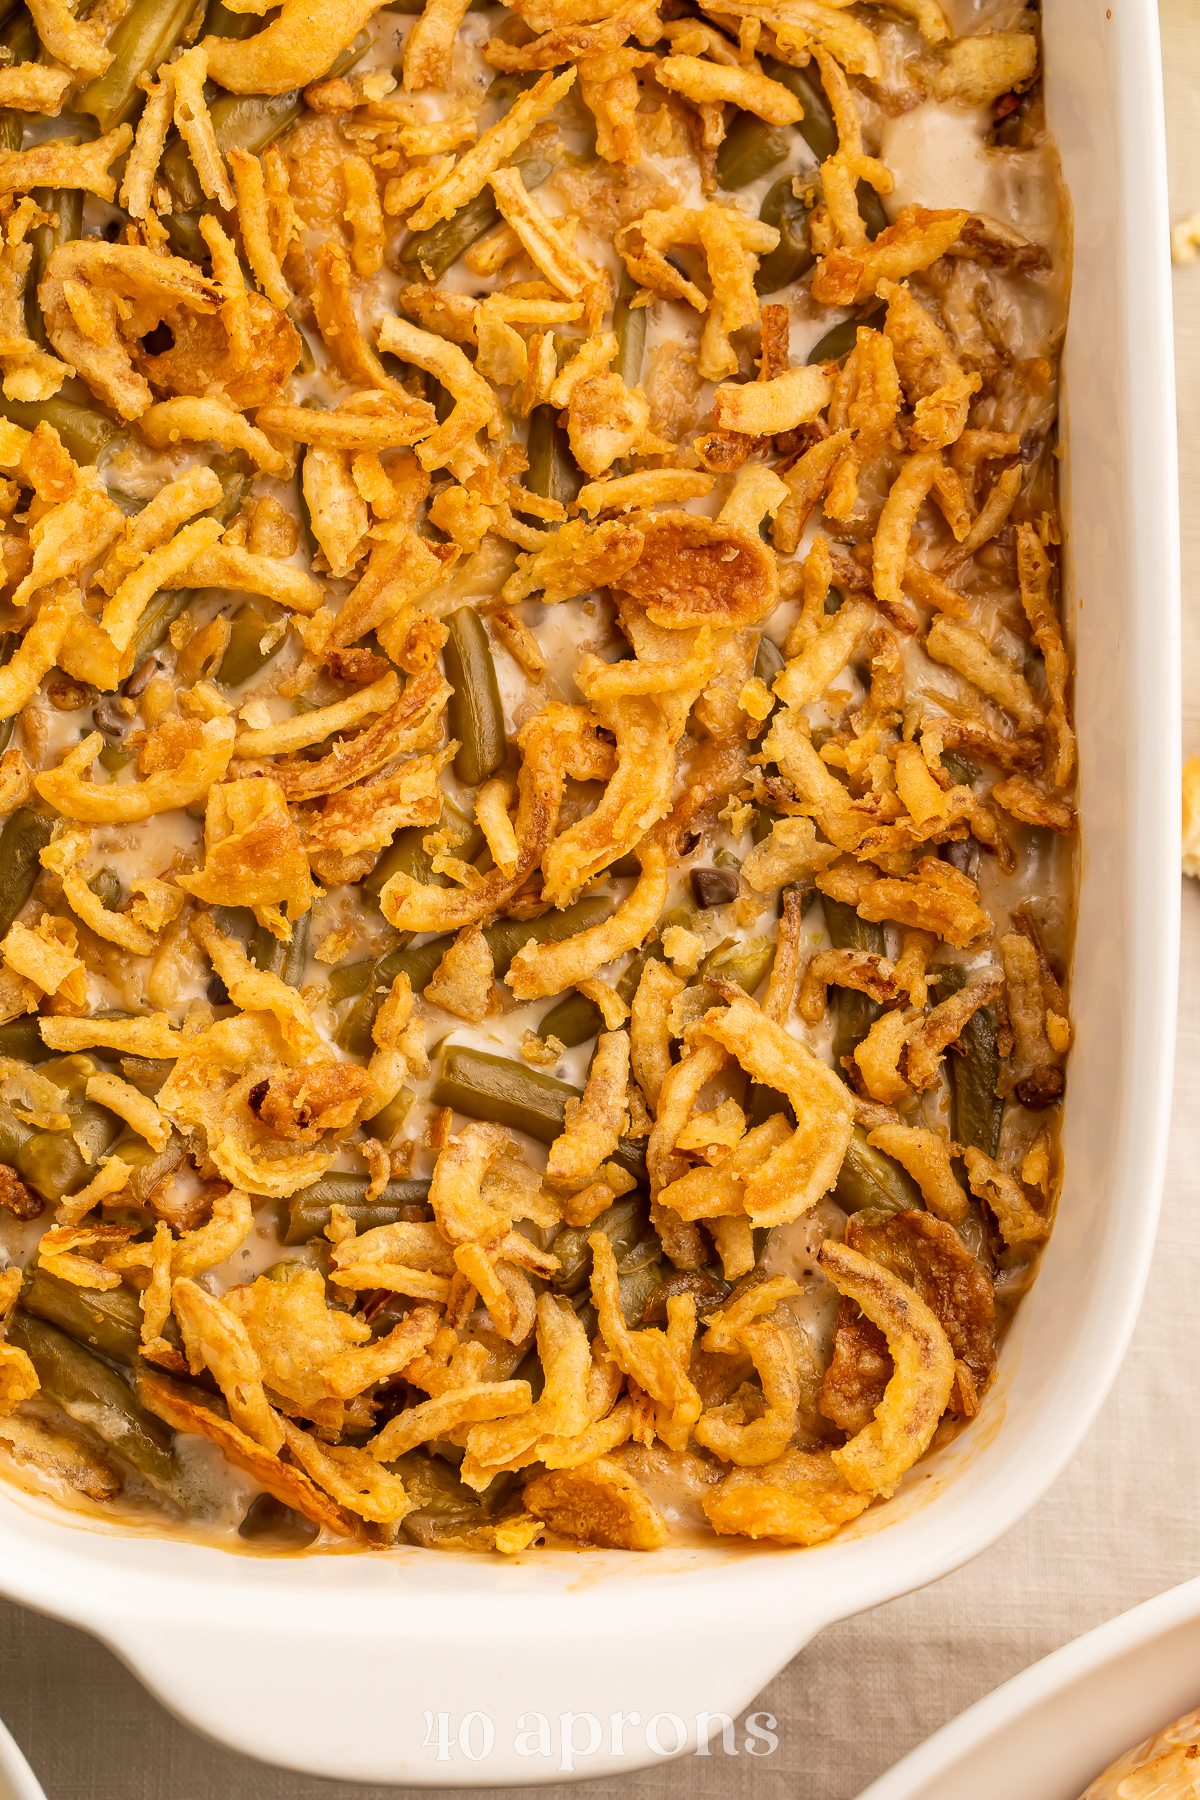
x: 536, y: 759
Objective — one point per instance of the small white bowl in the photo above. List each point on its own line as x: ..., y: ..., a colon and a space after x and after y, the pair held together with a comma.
x: 17, y: 1779
x: 1050, y: 1731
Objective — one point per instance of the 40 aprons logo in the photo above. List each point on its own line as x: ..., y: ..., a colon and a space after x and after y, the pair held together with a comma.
x: 574, y: 1737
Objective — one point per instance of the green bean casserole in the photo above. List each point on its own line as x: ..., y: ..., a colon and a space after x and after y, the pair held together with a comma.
x: 537, y: 883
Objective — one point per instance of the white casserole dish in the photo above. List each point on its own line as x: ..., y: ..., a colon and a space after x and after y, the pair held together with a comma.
x: 1050, y: 1731
x: 17, y: 1779
x: 341, y: 1665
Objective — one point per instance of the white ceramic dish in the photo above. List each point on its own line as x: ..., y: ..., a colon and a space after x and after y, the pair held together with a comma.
x: 17, y: 1779
x: 1049, y: 1732
x: 363, y: 1667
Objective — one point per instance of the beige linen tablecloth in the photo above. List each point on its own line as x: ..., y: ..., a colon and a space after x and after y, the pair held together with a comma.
x: 1119, y: 1527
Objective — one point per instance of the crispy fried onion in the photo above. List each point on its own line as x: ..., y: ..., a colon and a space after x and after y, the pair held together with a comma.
x: 916, y: 239
x: 595, y: 1124
x: 597, y: 1503
x: 876, y: 1458
x: 412, y: 723
x: 697, y: 571
x: 188, y: 1410
x: 344, y: 834
x: 99, y: 300
x: 551, y: 968
x: 203, y: 749
x: 805, y: 1166
x: 557, y: 742
x: 656, y: 1360
x: 253, y: 855
x: 210, y: 1090
x: 936, y: 897
x: 637, y: 796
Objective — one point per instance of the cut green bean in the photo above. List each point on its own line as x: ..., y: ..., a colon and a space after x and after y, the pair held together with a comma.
x: 856, y: 1013
x: 22, y: 841
x: 974, y: 1070
x: 750, y: 150
x: 21, y: 1039
x: 439, y: 248
x: 247, y: 122
x: 491, y: 1087
x: 274, y: 957
x: 108, y: 1320
x: 474, y: 714
x: 838, y: 342
x: 254, y: 638
x: 572, y: 1021
x: 407, y: 855
x: 95, y: 1395
x: 67, y: 206
x: 140, y: 44
x: 552, y: 472
x: 622, y: 1224
x: 869, y: 1179
x: 106, y: 885
x: 85, y: 432
x: 792, y: 257
x: 629, y: 323
x: 748, y: 963
x: 309, y: 1211
x: 147, y: 1166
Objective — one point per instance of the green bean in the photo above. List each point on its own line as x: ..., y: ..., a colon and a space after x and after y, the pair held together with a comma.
x: 869, y: 1179
x: 390, y: 1118
x: 308, y: 1212
x: 748, y: 964
x: 96, y: 1395
x: 268, y: 1520
x: 419, y: 961
x: 141, y: 42
x: 85, y: 432
x: 792, y: 257
x: 105, y: 1319
x: 53, y: 1163
x: 856, y: 1013
x: 817, y: 127
x: 22, y: 1040
x: 350, y: 979
x: 22, y: 841
x: 629, y: 323
x: 768, y: 660
x: 974, y: 1070
x: 552, y: 472
x: 575, y: 1019
x: 271, y: 954
x: 474, y: 714
x: 13, y: 1133
x: 622, y: 1224
x: 183, y: 228
x: 637, y: 1287
x: 106, y: 885
x: 407, y: 855
x: 245, y: 121
x: 147, y: 1166
x: 253, y: 640
x: 67, y: 205
x: 750, y: 148
x: 819, y: 132
x: 572, y: 1021
x: 837, y: 343
x: 964, y: 771
x: 491, y: 1087
x: 507, y: 936
x: 437, y: 249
